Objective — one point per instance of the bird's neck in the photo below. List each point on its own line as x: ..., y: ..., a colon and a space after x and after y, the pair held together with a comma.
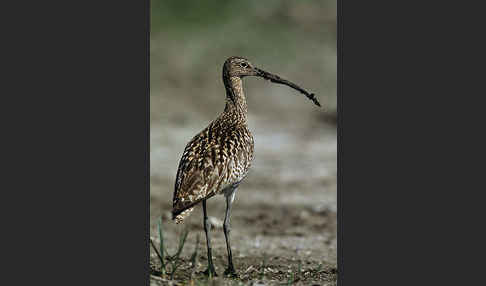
x: 235, y: 98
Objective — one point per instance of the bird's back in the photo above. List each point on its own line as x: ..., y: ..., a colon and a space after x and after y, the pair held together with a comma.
x: 217, y: 157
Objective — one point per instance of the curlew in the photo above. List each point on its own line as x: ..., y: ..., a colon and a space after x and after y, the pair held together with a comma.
x: 217, y: 159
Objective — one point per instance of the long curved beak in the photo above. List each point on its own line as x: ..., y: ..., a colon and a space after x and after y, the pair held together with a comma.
x: 276, y: 79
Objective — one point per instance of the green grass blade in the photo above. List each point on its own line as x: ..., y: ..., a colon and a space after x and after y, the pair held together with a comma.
x: 194, y: 255
x: 262, y: 273
x: 156, y: 251
x: 181, y: 243
x: 161, y: 246
x: 175, y: 261
x: 291, y: 279
x: 299, y: 269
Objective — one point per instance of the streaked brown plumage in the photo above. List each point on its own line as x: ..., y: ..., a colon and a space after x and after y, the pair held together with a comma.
x: 217, y: 159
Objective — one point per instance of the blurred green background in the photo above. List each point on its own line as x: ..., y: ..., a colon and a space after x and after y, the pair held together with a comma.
x: 191, y: 39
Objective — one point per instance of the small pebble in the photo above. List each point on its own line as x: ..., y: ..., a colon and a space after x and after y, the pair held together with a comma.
x: 250, y: 269
x: 215, y: 222
x: 304, y: 214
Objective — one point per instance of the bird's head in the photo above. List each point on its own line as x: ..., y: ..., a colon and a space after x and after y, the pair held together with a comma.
x: 241, y: 67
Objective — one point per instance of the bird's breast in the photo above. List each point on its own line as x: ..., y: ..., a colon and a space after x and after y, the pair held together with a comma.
x: 239, y: 149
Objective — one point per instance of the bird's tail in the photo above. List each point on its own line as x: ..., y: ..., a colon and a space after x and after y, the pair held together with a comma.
x: 180, y: 217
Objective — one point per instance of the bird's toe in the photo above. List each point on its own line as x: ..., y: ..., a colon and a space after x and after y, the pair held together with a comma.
x: 230, y: 272
x: 210, y: 272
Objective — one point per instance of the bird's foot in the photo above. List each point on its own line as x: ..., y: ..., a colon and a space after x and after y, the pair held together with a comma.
x: 230, y: 272
x: 210, y: 272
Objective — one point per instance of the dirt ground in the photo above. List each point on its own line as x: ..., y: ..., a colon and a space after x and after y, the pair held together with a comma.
x: 284, y: 214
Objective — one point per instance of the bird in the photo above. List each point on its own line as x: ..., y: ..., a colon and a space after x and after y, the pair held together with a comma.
x: 218, y: 158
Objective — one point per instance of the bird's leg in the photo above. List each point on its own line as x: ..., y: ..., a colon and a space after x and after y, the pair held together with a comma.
x: 230, y: 271
x: 207, y: 227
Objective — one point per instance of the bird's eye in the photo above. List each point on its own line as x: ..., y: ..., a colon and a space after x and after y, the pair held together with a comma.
x: 244, y: 65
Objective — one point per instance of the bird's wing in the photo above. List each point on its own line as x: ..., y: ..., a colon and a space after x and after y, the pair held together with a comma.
x: 217, y: 157
x: 200, y: 174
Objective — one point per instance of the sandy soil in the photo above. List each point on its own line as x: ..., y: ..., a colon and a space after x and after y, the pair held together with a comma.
x: 285, y: 210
